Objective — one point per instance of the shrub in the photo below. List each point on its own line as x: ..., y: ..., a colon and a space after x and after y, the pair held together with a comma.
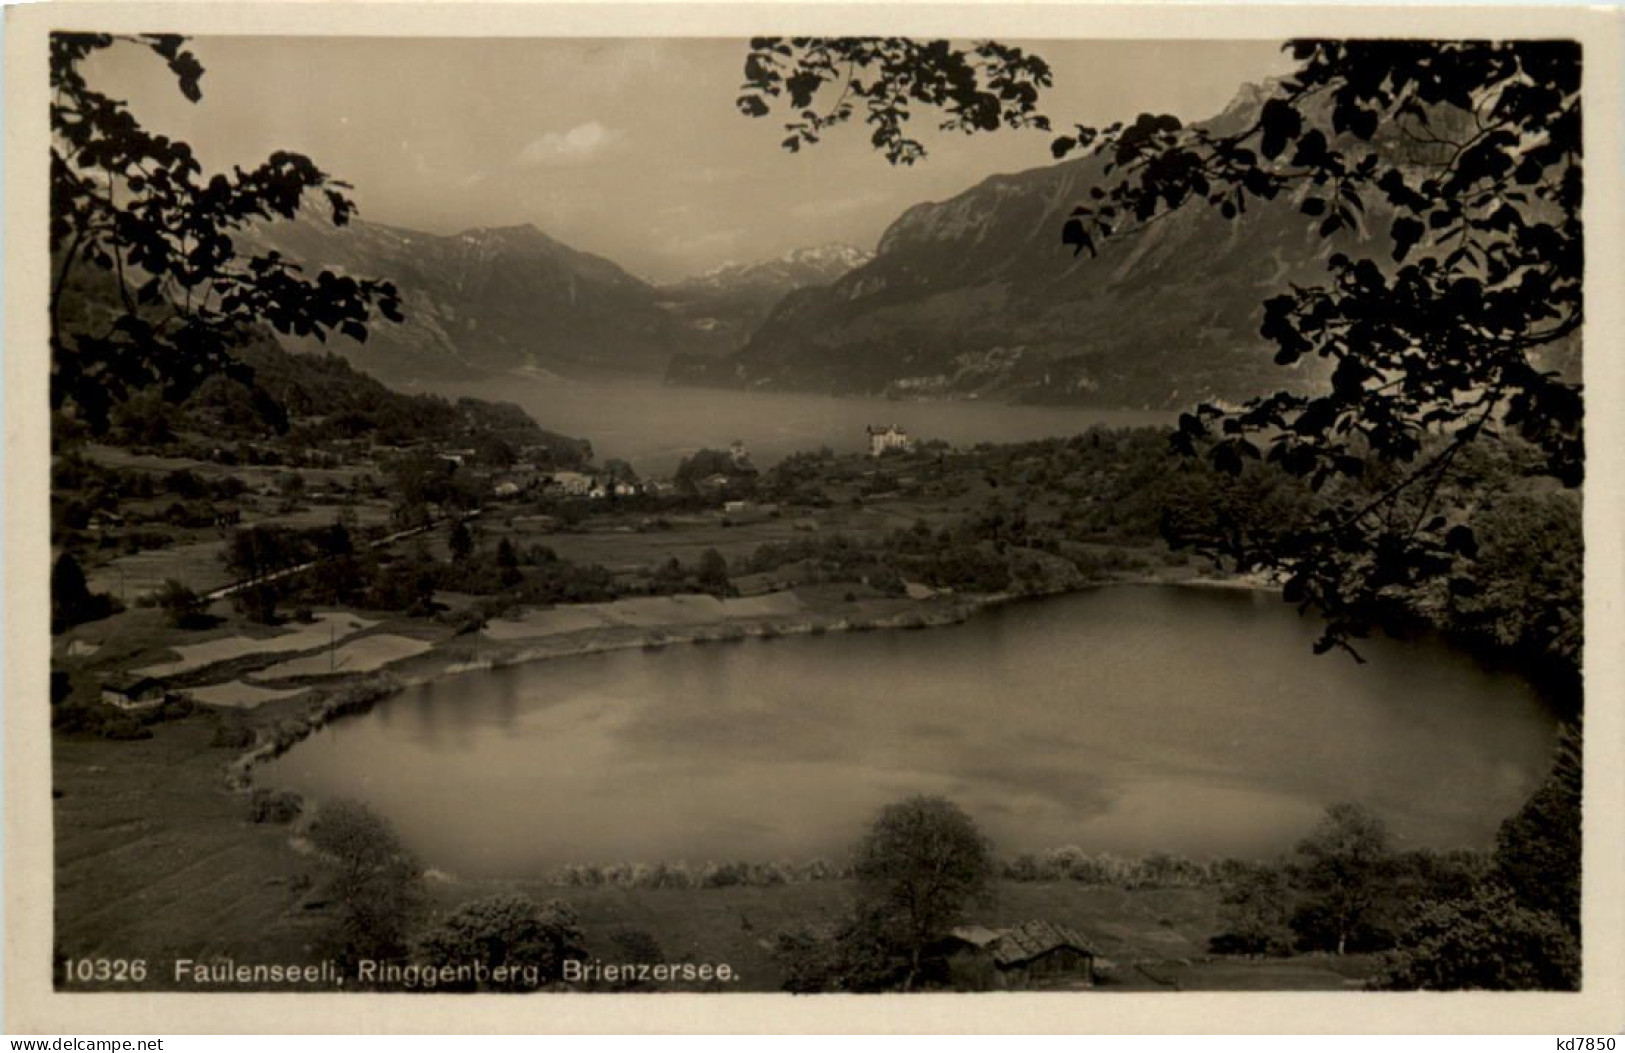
x: 232, y: 737
x: 376, y: 887
x: 818, y: 869
x: 1062, y: 862
x: 1255, y: 909
x: 175, y: 707
x: 123, y: 729
x: 274, y: 806
x: 1488, y: 941
x: 527, y: 941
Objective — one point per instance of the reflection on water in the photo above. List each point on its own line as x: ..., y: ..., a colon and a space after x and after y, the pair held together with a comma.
x: 1123, y: 720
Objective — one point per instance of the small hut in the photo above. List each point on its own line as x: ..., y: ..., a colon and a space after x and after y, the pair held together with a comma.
x: 133, y: 692
x: 1032, y: 954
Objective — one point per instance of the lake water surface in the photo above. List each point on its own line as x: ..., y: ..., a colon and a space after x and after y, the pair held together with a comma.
x: 655, y: 427
x: 1125, y: 720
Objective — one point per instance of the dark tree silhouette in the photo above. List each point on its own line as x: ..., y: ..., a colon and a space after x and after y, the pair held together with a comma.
x: 508, y: 563
x: 1343, y: 868
x: 376, y: 886
x: 1255, y: 908
x: 72, y: 601
x: 1459, y: 159
x: 712, y: 573
x: 1537, y: 850
x: 983, y: 89
x: 137, y: 205
x: 254, y: 555
x: 529, y: 942
x: 183, y: 608
x: 922, y: 863
x: 1488, y: 940
x: 460, y: 541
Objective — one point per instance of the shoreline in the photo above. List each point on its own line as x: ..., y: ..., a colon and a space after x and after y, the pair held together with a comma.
x: 362, y: 693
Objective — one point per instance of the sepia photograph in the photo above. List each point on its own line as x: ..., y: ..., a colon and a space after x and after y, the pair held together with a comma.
x: 630, y: 513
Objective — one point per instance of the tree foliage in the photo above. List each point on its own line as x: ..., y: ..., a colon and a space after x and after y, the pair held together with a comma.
x: 1521, y: 592
x: 712, y: 573
x: 182, y: 607
x: 1537, y: 850
x: 862, y: 954
x: 1255, y: 907
x: 1344, y: 867
x: 921, y: 864
x: 377, y: 886
x: 704, y: 464
x: 72, y: 602
x: 136, y: 204
x: 460, y: 541
x: 528, y: 941
x: 1457, y: 164
x: 254, y: 556
x: 1488, y: 941
x: 988, y: 86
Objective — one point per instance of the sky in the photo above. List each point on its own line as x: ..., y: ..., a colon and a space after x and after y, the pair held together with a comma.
x: 628, y: 148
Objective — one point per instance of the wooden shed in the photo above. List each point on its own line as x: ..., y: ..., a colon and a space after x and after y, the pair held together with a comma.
x: 133, y: 692
x: 1032, y: 954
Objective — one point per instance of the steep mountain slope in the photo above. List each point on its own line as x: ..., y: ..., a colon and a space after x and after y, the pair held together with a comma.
x: 728, y: 303
x: 489, y: 299
x: 977, y: 295
x: 321, y: 395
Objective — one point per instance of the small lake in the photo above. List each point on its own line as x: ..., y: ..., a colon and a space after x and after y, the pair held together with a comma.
x: 1124, y: 720
x: 654, y: 427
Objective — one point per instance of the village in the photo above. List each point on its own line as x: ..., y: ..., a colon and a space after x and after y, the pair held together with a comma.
x: 719, y: 547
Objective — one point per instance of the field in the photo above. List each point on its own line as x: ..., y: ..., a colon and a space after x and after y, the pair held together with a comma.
x: 237, y: 695
x: 327, y: 626
x: 626, y: 542
x: 197, y: 565
x: 358, y: 656
x: 683, y: 611
x: 155, y: 858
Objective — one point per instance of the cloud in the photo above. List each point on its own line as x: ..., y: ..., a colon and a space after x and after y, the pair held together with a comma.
x: 709, y: 241
x: 839, y: 206
x: 708, y: 174
x: 579, y: 145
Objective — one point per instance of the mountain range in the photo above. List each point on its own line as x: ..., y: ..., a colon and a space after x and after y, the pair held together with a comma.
x: 975, y: 296
x: 731, y: 301
x: 498, y: 299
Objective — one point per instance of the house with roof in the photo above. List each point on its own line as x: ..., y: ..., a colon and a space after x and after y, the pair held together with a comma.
x: 888, y: 437
x: 1032, y: 954
x: 573, y: 484
x: 715, y: 483
x: 133, y: 692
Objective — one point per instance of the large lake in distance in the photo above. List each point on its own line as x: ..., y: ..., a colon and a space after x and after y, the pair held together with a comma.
x: 1127, y: 720
x: 654, y: 427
